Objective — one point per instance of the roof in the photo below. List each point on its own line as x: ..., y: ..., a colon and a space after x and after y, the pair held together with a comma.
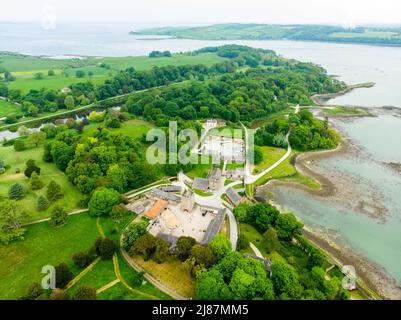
x: 137, y: 208
x: 170, y: 188
x: 214, y: 227
x: 215, y: 174
x: 165, y: 195
x: 200, y: 183
x: 156, y: 209
x: 266, y: 262
x: 233, y: 196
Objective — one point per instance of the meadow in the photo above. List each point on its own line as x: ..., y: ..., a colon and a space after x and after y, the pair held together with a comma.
x: 49, y: 171
x: 24, y: 68
x: 8, y: 109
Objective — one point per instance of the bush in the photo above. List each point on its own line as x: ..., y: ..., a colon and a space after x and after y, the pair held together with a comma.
x: 31, y: 167
x: 16, y: 192
x: 58, y: 294
x: 107, y: 248
x: 242, y: 242
x: 19, y: 145
x: 58, y: 216
x: 36, y: 183
x: 34, y: 291
x: 85, y: 293
x: 53, y: 191
x: 81, y: 260
x: 42, y: 204
x: 63, y: 275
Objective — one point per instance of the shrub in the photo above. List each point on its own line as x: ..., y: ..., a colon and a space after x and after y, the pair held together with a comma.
x: 36, y: 183
x: 58, y: 294
x: 34, y: 291
x: 81, y: 260
x: 42, y: 203
x: 19, y: 145
x: 107, y: 248
x: 16, y: 192
x: 85, y: 293
x: 63, y: 275
x: 53, y: 191
x: 58, y: 216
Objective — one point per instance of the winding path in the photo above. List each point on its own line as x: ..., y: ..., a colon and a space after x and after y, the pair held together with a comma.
x: 249, y: 177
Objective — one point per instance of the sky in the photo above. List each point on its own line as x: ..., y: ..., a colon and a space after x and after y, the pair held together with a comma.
x: 197, y: 12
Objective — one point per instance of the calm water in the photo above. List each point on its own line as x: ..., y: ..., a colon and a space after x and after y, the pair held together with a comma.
x: 379, y: 138
x: 352, y: 63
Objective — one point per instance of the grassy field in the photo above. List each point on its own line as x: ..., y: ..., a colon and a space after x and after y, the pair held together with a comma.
x: 24, y: 68
x: 338, y: 111
x: 134, y: 128
x: 285, y: 169
x: 171, y: 272
x: 22, y: 261
x: 8, y: 109
x: 270, y: 156
x: 256, y: 238
x: 48, y: 172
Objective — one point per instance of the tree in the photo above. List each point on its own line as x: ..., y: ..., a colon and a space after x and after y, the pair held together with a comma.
x: 119, y: 212
x: 210, y: 286
x: 80, y: 74
x: 242, y: 242
x: 30, y: 168
x: 183, y: 247
x: 36, y: 183
x: 285, y: 281
x: 242, y: 285
x: 287, y: 226
x: 262, y: 215
x: 51, y: 73
x: 11, y: 219
x: 63, y: 275
x: 58, y: 294
x: 53, y: 191
x: 34, y: 291
x: 257, y: 155
x: 203, y: 255
x: 137, y: 278
x: 38, y: 76
x: 132, y: 234
x: 16, y: 192
x: 58, y: 216
x: 241, y: 212
x: 145, y: 245
x: 102, y: 201
x: 81, y: 260
x: 162, y: 251
x: 19, y: 145
x: 69, y: 102
x: 36, y: 138
x: 270, y: 240
x: 220, y: 246
x: 107, y: 249
x: 85, y: 292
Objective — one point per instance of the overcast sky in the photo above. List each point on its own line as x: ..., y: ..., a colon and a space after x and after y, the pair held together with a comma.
x: 181, y: 12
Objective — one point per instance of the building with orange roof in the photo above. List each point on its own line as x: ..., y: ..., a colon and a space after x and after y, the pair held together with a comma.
x: 157, y: 209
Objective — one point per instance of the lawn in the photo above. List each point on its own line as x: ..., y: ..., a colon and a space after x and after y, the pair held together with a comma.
x: 134, y: 128
x: 172, y: 273
x: 8, y: 109
x: 256, y: 238
x: 270, y: 156
x: 49, y: 172
x: 285, y: 169
x: 22, y: 261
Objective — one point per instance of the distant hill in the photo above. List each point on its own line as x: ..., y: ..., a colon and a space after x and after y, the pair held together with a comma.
x: 236, y: 31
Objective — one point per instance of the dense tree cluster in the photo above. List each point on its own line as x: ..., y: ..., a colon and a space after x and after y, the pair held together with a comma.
x: 307, y: 133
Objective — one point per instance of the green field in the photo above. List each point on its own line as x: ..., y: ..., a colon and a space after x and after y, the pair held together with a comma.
x: 22, y: 261
x: 134, y: 128
x: 270, y: 156
x: 24, y: 68
x: 8, y: 109
x: 49, y: 172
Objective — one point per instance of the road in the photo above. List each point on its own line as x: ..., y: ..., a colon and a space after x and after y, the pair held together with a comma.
x: 256, y: 250
x: 249, y: 177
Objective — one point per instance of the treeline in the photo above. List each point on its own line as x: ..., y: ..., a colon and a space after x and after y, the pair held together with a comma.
x: 252, y: 94
x: 307, y: 133
x: 268, y: 83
